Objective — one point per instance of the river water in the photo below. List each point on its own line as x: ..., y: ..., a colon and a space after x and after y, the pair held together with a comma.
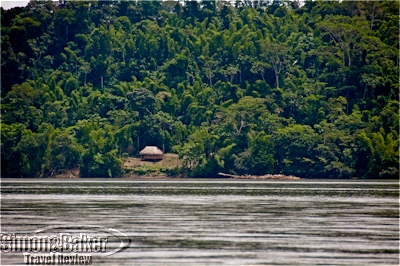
x: 217, y: 221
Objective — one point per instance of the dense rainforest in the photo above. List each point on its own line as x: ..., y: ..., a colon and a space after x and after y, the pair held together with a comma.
x: 243, y: 87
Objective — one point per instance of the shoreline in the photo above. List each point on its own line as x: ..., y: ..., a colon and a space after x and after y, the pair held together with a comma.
x: 267, y: 176
x: 164, y: 176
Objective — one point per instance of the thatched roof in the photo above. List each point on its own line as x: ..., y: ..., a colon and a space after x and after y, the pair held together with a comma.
x: 151, y: 150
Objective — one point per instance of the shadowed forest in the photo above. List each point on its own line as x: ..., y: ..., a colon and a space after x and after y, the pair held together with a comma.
x: 240, y: 87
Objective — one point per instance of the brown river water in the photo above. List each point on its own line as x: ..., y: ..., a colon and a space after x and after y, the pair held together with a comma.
x: 215, y: 221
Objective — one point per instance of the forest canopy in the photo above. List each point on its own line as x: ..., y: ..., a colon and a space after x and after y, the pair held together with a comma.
x: 242, y: 87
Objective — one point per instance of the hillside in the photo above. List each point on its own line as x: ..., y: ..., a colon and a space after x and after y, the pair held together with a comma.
x: 262, y: 87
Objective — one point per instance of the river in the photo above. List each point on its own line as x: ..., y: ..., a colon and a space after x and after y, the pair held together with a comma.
x: 217, y: 221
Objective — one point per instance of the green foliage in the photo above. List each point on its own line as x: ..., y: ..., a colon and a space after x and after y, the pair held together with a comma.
x: 142, y: 100
x: 245, y: 88
x: 262, y: 155
x: 62, y: 152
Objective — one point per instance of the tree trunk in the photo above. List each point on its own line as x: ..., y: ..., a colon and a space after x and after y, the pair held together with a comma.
x: 240, y: 74
x: 343, y: 59
x: 372, y: 16
x: 349, y: 59
x: 210, y: 75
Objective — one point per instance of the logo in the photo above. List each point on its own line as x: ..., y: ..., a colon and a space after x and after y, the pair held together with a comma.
x: 65, y: 245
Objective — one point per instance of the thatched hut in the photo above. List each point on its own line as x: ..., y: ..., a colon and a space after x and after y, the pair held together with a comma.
x: 151, y: 153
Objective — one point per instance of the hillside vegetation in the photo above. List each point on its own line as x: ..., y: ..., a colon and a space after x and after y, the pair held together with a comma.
x: 261, y: 87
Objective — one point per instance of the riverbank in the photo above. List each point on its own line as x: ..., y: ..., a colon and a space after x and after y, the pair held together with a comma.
x: 136, y: 168
x: 268, y: 176
x: 166, y: 168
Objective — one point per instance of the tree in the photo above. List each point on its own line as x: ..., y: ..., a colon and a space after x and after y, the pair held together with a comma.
x: 31, y: 149
x: 209, y: 69
x: 262, y: 154
x: 10, y: 159
x: 344, y: 32
x: 141, y: 100
x: 276, y: 55
x: 165, y: 121
x: 240, y: 117
x: 62, y: 152
x: 381, y: 153
x: 294, y: 145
